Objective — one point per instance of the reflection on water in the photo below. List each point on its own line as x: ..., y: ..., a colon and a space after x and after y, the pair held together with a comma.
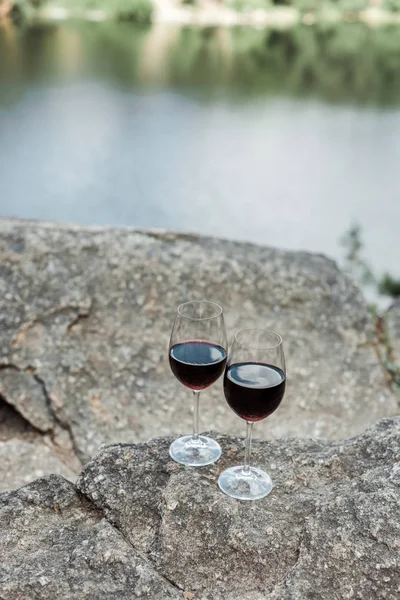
x: 346, y: 62
x: 279, y: 137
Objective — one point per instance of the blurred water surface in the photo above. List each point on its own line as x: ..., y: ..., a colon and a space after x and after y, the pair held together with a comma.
x: 278, y: 137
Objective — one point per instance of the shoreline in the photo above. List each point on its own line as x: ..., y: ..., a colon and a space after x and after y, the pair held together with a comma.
x: 219, y: 16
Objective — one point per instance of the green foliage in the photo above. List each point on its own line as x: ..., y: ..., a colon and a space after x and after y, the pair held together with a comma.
x: 249, y: 5
x: 373, y: 310
x: 352, y: 6
x: 336, y: 62
x: 138, y: 11
x: 389, y: 286
x: 344, y: 6
x: 308, y: 5
x: 392, y: 5
x: 351, y: 241
x: 319, y: 6
x: 314, y: 5
x: 355, y: 265
x: 23, y: 9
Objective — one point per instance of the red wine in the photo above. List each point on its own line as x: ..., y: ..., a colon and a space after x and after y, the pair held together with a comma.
x: 197, y: 364
x: 254, y: 390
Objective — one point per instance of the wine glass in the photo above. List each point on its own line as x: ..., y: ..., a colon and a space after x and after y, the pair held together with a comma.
x: 254, y: 385
x: 197, y: 357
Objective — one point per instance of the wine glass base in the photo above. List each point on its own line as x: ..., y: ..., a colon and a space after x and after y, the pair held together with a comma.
x: 195, y: 452
x: 245, y: 486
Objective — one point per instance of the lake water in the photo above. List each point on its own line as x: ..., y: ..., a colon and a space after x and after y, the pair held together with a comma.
x: 280, y: 138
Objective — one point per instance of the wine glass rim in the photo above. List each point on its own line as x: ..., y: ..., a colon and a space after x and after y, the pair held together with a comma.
x: 279, y: 338
x: 218, y: 314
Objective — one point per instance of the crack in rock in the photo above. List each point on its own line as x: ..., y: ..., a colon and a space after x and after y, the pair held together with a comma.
x: 289, y: 545
x: 83, y: 311
x: 83, y: 314
x: 64, y: 425
x: 25, y: 391
x: 73, y: 551
x: 20, y: 390
x: 143, y: 556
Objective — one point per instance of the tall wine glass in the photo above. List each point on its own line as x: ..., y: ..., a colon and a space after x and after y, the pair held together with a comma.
x: 254, y: 385
x: 197, y: 357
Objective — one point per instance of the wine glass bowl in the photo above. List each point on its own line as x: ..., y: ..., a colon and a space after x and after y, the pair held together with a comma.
x: 254, y: 385
x: 197, y: 357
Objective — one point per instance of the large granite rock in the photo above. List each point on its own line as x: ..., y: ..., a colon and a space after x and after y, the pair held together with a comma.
x: 146, y: 527
x: 26, y: 453
x: 26, y: 394
x: 56, y: 545
x: 22, y: 462
x: 85, y: 318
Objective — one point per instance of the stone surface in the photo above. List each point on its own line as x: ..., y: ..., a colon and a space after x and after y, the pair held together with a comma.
x: 146, y: 527
x: 392, y: 320
x: 12, y: 424
x: 22, y: 462
x: 54, y: 544
x: 26, y: 395
x: 26, y: 453
x: 331, y: 523
x: 87, y: 313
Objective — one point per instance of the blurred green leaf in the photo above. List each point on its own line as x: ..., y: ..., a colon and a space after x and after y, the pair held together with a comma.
x: 389, y: 286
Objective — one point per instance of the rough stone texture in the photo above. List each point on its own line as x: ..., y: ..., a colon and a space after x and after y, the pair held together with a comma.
x: 147, y: 527
x: 27, y: 396
x: 332, y: 522
x: 54, y: 544
x: 22, y: 462
x: 12, y: 424
x: 87, y: 313
x: 26, y: 454
x: 392, y: 319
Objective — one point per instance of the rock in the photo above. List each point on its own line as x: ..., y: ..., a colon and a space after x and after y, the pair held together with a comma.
x: 329, y: 529
x: 56, y: 545
x: 26, y: 395
x: 88, y: 312
x: 392, y: 320
x: 23, y: 462
x: 12, y: 424
x: 26, y: 454
x: 141, y: 526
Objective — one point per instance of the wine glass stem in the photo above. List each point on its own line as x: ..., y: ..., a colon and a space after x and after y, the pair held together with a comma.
x: 196, y: 397
x: 247, y: 452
